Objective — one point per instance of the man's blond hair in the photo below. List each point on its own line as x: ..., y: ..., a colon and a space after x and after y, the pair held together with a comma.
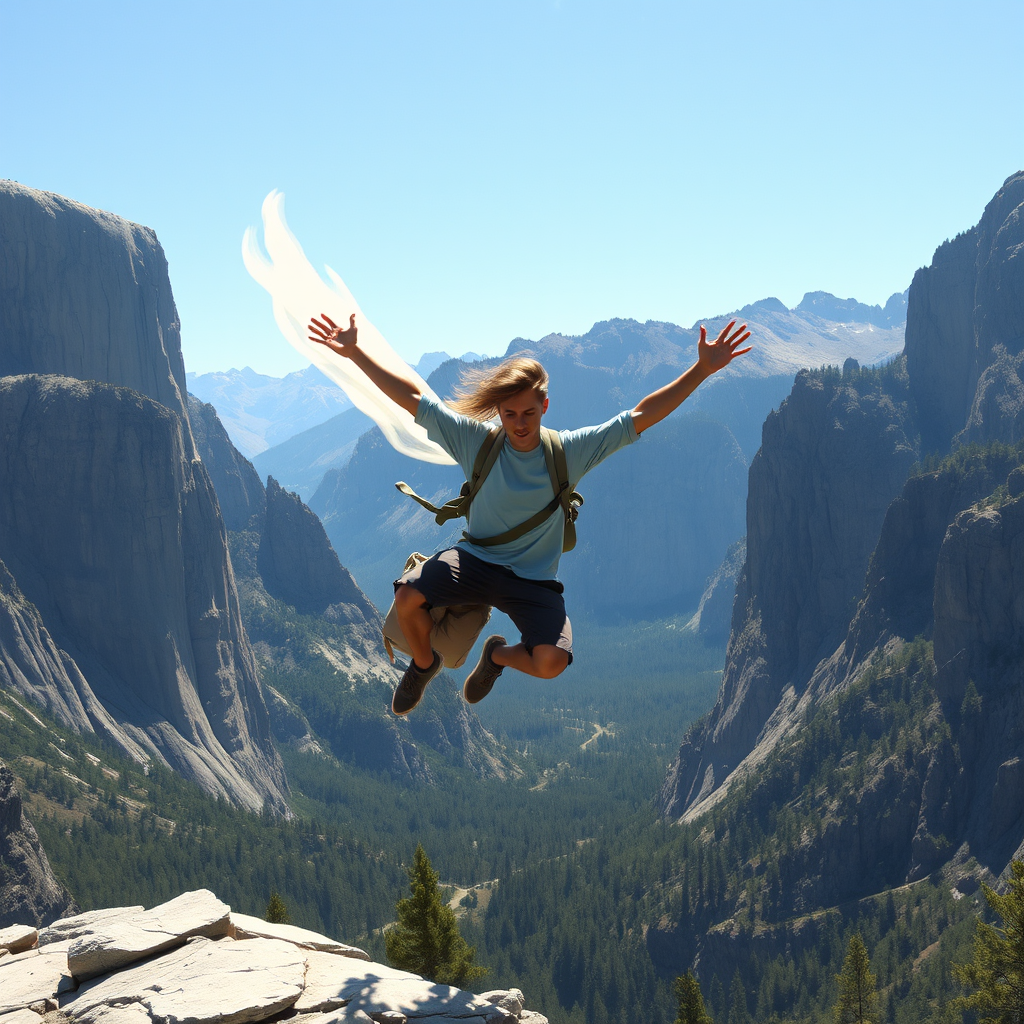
x: 480, y: 392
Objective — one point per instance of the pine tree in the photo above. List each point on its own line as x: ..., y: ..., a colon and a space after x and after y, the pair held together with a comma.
x: 997, y: 970
x: 277, y: 912
x: 738, y: 1011
x: 857, y: 1003
x: 426, y: 939
x: 691, y: 1001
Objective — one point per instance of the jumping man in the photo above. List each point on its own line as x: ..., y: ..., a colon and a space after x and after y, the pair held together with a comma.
x: 519, y: 577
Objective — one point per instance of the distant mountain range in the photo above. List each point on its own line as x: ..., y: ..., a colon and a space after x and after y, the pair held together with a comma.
x: 260, y: 412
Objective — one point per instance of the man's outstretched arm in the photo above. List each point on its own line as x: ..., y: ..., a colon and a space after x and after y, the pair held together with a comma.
x: 326, y: 332
x: 711, y: 357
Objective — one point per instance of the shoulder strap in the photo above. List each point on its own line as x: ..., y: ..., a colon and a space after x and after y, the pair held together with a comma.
x: 486, y: 456
x: 554, y: 458
x: 554, y: 455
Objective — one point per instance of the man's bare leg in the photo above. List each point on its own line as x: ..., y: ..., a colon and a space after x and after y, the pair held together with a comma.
x: 545, y: 661
x: 416, y: 623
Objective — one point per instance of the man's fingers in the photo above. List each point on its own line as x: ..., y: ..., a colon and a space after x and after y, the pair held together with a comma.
x: 739, y: 341
x: 703, y: 334
x: 749, y: 348
x: 315, y: 325
x: 352, y: 322
x: 334, y: 326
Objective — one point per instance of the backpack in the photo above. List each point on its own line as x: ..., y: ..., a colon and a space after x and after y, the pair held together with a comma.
x: 554, y: 456
x: 453, y: 634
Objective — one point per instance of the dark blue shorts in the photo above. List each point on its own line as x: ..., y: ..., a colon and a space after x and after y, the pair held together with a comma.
x: 535, y: 606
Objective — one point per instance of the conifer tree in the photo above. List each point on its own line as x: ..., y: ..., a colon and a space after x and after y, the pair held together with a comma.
x: 277, y: 912
x: 738, y: 1011
x: 997, y: 970
x: 426, y: 939
x: 691, y: 1001
x: 857, y: 1003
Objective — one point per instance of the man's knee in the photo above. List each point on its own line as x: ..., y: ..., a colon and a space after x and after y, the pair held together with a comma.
x: 549, y: 661
x: 408, y: 598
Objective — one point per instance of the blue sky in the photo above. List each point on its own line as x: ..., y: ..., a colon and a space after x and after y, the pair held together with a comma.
x: 482, y: 171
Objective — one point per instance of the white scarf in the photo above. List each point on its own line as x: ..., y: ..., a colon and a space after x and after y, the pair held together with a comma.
x: 299, y: 293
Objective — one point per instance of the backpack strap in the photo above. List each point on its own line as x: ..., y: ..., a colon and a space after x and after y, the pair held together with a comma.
x: 554, y: 458
x: 486, y: 457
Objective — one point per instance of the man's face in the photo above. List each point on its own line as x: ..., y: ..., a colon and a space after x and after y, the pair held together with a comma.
x: 520, y: 416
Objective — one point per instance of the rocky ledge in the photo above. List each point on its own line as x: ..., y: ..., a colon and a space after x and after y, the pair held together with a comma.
x: 193, y: 961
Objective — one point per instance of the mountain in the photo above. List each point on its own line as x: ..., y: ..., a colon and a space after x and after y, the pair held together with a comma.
x: 260, y: 411
x: 301, y: 462
x: 864, y: 577
x: 118, y: 607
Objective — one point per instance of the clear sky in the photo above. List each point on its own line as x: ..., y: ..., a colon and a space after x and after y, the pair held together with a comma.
x: 478, y: 171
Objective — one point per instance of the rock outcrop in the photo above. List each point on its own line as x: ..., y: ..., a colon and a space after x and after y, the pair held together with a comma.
x: 29, y: 892
x: 193, y: 960
x: 238, y: 487
x: 118, y: 608
x: 299, y: 566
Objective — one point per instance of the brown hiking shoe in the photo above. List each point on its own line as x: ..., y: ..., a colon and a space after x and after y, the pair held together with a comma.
x: 479, y: 682
x: 410, y: 690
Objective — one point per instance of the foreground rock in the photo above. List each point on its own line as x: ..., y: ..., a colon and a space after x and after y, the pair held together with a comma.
x: 133, y: 937
x: 191, y: 961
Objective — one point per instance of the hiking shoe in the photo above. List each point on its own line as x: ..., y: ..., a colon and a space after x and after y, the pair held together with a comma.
x: 410, y: 690
x: 479, y: 682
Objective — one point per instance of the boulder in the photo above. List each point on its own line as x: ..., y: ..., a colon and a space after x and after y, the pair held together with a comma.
x: 378, y: 990
x: 246, y: 927
x: 91, y: 921
x: 204, y: 982
x: 332, y: 982
x: 20, y: 1017
x: 33, y: 979
x: 18, y: 937
x: 510, y: 999
x: 126, y: 939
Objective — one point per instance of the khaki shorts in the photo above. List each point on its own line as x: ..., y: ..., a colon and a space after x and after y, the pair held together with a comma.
x: 535, y: 606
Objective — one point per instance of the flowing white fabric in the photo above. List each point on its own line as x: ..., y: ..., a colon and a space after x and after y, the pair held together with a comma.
x: 299, y: 293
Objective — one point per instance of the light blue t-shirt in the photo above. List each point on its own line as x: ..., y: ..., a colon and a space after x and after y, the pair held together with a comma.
x: 518, y: 486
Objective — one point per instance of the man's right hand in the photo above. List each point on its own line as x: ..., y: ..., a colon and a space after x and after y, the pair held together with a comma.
x: 331, y: 335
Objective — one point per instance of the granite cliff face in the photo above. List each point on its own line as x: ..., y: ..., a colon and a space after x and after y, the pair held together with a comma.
x: 833, y: 457
x: 118, y: 609
x: 29, y: 891
x: 848, y: 560
x: 85, y: 293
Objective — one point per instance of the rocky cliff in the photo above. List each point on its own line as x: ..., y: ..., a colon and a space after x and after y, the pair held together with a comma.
x: 848, y: 560
x: 85, y: 294
x: 119, y: 610
x: 29, y: 892
x: 195, y: 959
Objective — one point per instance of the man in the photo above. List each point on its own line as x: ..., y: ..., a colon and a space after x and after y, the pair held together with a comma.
x: 518, y: 577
